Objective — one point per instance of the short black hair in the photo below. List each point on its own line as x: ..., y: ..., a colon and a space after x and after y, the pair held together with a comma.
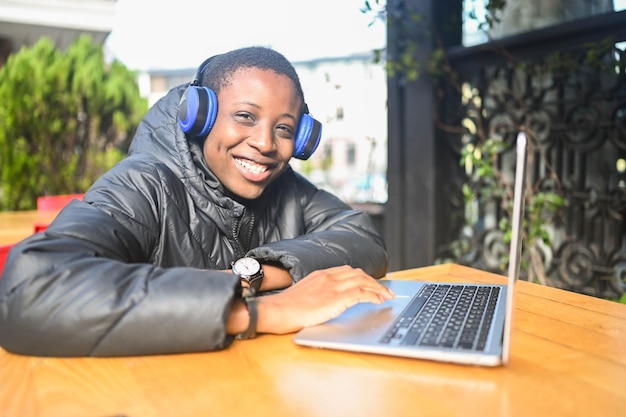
x: 217, y: 73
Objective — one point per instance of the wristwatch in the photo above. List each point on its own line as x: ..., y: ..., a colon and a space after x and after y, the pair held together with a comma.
x: 250, y: 271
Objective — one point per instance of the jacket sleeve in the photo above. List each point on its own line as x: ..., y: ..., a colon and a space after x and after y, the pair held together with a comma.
x: 77, y: 291
x: 334, y: 235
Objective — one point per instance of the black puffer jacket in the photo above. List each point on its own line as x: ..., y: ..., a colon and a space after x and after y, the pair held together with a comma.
x: 134, y: 268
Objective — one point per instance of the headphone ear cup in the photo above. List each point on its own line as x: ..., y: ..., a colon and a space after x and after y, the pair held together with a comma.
x: 307, y: 138
x: 197, y: 111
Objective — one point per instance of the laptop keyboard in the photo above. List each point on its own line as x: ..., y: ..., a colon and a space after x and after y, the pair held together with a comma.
x: 447, y: 315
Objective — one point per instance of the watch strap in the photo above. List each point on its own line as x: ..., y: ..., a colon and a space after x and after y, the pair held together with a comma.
x: 251, y: 306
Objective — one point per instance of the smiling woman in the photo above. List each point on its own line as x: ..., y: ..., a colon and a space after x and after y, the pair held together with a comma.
x: 142, y: 264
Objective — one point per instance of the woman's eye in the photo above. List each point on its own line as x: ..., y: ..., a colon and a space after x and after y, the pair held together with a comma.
x: 285, y: 131
x: 245, y: 117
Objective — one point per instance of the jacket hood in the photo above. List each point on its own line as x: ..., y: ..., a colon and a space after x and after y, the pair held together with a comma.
x: 160, y: 138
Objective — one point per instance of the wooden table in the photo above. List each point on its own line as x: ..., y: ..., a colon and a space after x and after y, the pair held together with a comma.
x: 568, y: 358
x: 16, y: 225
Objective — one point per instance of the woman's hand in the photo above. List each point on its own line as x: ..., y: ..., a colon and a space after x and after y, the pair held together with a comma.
x: 318, y: 297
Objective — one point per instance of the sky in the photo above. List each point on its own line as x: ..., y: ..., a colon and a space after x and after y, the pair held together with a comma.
x: 171, y: 34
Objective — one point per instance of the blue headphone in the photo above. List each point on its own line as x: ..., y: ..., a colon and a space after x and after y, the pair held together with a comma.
x: 198, y: 109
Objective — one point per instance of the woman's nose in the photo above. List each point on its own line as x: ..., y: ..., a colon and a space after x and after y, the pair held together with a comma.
x: 263, y: 139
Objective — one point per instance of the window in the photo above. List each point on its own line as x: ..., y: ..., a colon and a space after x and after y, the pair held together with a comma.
x: 351, y: 154
x: 339, y: 113
x: 519, y: 16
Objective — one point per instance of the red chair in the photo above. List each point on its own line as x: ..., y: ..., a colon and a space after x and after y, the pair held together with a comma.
x: 4, y: 253
x: 53, y: 203
x: 56, y: 202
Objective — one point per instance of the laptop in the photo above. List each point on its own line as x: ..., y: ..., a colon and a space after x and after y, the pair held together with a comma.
x: 464, y: 323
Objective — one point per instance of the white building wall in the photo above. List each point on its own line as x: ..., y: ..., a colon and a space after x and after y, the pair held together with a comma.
x: 357, y: 88
x: 24, y: 22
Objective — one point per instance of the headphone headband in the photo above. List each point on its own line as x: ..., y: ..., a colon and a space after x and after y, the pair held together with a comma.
x: 197, y: 79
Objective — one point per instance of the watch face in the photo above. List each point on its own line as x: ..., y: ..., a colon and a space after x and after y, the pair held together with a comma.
x: 246, y: 266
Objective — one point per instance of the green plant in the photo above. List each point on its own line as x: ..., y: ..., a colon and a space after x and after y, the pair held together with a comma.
x: 65, y: 118
x: 485, y: 183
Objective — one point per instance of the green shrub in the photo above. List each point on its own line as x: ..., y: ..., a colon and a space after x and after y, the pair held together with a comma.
x: 65, y: 118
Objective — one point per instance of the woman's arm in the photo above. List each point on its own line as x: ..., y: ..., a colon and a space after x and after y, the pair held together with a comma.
x: 93, y: 284
x: 61, y: 296
x: 332, y: 234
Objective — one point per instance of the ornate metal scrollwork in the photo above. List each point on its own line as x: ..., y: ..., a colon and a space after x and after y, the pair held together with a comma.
x: 578, y: 118
x: 576, y: 264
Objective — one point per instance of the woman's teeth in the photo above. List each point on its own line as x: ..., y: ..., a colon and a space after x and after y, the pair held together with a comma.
x: 251, y: 166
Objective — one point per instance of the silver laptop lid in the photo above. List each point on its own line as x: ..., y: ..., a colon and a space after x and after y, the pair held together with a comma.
x: 515, y: 249
x: 366, y: 327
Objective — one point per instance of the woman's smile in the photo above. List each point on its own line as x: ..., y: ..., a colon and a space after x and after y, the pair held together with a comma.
x: 251, y: 170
